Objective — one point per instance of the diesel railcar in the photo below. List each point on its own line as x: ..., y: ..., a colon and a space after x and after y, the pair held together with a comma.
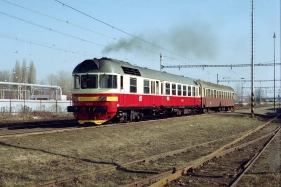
x: 111, y: 90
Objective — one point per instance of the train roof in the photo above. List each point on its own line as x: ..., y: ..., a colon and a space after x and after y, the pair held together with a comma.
x: 215, y: 86
x: 108, y: 65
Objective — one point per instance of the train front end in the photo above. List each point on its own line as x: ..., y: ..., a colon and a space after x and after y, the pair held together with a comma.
x: 94, y: 94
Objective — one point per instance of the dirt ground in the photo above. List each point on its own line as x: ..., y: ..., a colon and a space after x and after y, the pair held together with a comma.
x: 31, y: 160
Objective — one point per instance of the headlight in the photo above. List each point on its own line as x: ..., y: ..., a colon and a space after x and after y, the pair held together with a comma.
x: 74, y: 99
x: 102, y: 98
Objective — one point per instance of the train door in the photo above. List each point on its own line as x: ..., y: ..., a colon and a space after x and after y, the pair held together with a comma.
x: 194, y: 95
x: 122, y: 91
x: 162, y: 93
x: 203, y: 97
x: 163, y: 99
x: 152, y: 93
x: 157, y: 98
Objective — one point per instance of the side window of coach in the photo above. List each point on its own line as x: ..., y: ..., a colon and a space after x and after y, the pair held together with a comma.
x: 184, y: 90
x: 157, y: 87
x: 133, y: 85
x: 179, y: 90
x: 174, y: 91
x: 193, y: 91
x: 152, y: 87
x: 168, y: 89
x: 189, y: 90
x: 146, y: 86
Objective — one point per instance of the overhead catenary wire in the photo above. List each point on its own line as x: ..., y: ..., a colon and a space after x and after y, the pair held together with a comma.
x: 80, y: 27
x: 120, y: 29
x: 57, y: 19
x: 50, y: 29
x: 69, y: 23
x: 95, y: 32
x: 51, y: 46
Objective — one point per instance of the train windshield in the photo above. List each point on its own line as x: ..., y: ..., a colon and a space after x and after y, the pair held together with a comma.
x: 108, y: 81
x: 89, y: 81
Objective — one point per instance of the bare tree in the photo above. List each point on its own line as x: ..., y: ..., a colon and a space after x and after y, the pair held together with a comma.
x: 24, y: 72
x: 52, y: 79
x: 238, y: 92
x: 43, y: 82
x: 32, y: 73
x: 17, y: 72
x: 5, y: 76
x: 64, y: 80
x: 259, y: 94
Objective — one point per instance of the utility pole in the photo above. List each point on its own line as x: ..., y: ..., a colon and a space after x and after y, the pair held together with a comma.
x: 252, y: 67
x: 274, y: 36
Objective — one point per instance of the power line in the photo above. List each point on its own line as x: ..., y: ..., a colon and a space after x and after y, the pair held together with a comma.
x: 51, y: 46
x: 67, y: 22
x: 245, y: 80
x: 231, y: 65
x: 50, y: 29
x: 260, y: 87
x: 119, y: 29
x: 89, y: 30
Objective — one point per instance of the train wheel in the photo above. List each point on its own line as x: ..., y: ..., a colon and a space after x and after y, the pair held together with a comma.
x: 204, y: 111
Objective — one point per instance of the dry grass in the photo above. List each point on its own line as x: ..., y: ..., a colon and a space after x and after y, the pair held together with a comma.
x: 260, y: 180
x: 34, y: 159
x: 6, y: 117
x: 267, y: 170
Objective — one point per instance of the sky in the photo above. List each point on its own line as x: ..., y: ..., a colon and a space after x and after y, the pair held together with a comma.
x: 59, y: 34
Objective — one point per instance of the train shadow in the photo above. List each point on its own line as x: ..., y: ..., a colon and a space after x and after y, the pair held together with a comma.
x: 56, y: 154
x: 118, y: 166
x: 41, y: 124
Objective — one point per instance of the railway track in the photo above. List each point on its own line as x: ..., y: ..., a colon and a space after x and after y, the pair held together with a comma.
x: 39, y: 127
x: 35, y: 128
x: 166, y: 178
x: 251, y: 162
x: 47, y: 127
x: 164, y: 172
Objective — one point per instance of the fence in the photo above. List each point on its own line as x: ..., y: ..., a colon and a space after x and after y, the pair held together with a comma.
x: 16, y: 106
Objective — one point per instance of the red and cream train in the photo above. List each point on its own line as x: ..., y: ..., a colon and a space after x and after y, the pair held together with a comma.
x: 111, y: 90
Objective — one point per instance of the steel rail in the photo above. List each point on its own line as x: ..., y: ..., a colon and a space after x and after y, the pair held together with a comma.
x: 42, y: 132
x: 166, y: 177
x: 147, y: 159
x: 253, y: 160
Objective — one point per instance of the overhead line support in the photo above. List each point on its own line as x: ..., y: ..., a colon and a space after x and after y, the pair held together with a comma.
x: 231, y: 65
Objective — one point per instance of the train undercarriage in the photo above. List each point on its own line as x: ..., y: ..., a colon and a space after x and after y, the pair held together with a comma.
x: 126, y: 115
x: 123, y: 115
